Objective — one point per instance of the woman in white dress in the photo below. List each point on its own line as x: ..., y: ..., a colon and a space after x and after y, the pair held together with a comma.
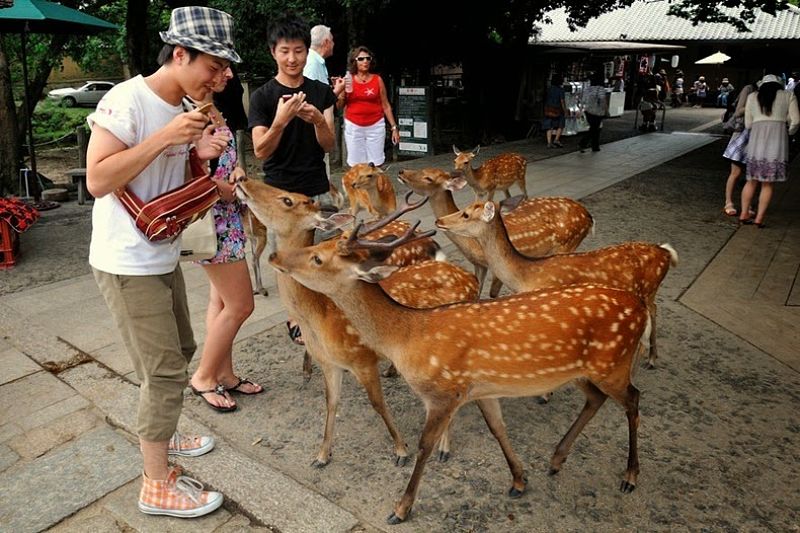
x: 766, y: 116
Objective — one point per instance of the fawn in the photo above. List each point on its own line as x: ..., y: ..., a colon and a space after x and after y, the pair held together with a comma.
x: 368, y: 187
x: 499, y: 172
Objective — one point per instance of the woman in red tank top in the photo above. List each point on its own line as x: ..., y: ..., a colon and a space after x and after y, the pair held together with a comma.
x: 365, y: 104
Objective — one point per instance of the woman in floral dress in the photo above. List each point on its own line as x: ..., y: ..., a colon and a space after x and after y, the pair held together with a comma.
x: 231, y: 293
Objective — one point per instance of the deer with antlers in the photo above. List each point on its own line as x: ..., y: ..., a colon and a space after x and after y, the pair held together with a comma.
x: 538, y: 227
x: 368, y: 187
x: 498, y: 173
x: 521, y: 345
x: 637, y: 267
x: 329, y: 337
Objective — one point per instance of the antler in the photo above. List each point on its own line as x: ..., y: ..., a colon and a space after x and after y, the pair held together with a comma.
x: 355, y: 243
x: 404, y: 207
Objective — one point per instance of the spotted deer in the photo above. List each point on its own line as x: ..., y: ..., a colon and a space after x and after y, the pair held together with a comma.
x: 538, y: 227
x: 329, y: 337
x: 637, y: 267
x: 368, y: 187
x: 521, y: 345
x: 499, y: 172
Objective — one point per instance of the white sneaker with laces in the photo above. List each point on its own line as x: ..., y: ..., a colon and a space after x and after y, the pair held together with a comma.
x: 189, y: 446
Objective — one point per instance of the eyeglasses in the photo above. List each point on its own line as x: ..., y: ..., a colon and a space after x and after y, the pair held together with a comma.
x: 364, y: 58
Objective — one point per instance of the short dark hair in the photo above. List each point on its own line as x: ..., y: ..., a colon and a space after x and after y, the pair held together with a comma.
x: 165, y: 55
x: 351, y: 59
x: 288, y: 28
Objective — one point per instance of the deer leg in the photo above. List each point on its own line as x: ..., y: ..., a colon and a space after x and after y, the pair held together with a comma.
x: 651, y: 360
x: 436, y: 420
x: 257, y: 245
x: 494, y: 290
x: 333, y: 389
x: 594, y: 400
x: 523, y: 186
x: 480, y: 273
x: 629, y: 399
x: 369, y: 379
x: 307, y: 368
x: 490, y: 408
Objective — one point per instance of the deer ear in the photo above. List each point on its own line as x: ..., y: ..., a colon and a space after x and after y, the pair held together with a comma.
x: 476, y: 150
x: 509, y: 204
x: 375, y: 273
x: 456, y: 183
x: 334, y: 222
x: 488, y: 212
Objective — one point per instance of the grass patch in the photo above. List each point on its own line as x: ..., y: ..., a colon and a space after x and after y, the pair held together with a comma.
x: 52, y: 121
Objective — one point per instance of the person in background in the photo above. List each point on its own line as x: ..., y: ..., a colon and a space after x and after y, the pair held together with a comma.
x: 316, y: 69
x: 595, y: 105
x: 140, y: 139
x: 700, y: 89
x: 364, y: 111
x: 291, y: 117
x: 724, y: 89
x: 677, y: 89
x: 555, y: 111
x: 767, y: 113
x: 648, y: 107
x: 664, y: 88
x: 230, y: 298
x: 736, y: 150
x: 793, y: 81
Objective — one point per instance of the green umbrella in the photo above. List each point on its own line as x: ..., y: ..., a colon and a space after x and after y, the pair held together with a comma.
x: 40, y: 16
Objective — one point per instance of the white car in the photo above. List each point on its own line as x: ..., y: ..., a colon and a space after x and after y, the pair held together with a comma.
x: 89, y: 94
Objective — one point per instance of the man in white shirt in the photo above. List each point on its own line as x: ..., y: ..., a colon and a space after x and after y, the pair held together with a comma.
x: 140, y: 140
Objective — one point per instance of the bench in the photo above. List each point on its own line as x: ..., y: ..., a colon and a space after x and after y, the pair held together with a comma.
x: 78, y: 175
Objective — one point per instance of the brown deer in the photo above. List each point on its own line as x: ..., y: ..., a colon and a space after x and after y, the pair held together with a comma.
x: 637, y: 267
x: 328, y: 335
x: 499, y: 172
x: 521, y: 345
x: 368, y: 187
x: 538, y: 227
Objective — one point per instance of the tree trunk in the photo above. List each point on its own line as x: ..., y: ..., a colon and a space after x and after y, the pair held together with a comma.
x: 38, y: 81
x: 136, y: 37
x: 9, y: 147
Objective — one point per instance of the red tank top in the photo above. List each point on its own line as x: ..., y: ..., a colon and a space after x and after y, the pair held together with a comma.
x: 363, y: 105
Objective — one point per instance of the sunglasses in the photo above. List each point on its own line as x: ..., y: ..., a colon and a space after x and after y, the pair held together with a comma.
x: 364, y: 58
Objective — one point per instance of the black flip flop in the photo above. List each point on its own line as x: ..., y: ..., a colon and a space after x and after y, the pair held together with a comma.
x: 244, y: 381
x: 219, y: 389
x: 295, y: 334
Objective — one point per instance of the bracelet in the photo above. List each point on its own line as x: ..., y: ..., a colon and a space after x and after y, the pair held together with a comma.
x: 394, y: 127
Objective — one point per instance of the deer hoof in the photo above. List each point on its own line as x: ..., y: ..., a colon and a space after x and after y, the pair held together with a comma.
x: 514, y: 492
x: 626, y: 487
x: 390, y: 372
x: 542, y: 400
x: 444, y: 457
x: 320, y: 464
x: 393, y: 520
x: 400, y: 460
x: 553, y: 471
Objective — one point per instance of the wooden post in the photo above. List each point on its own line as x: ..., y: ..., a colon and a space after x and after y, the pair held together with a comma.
x: 83, y: 144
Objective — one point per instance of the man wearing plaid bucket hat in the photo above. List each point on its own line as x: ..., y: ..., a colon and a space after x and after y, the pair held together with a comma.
x: 140, y: 140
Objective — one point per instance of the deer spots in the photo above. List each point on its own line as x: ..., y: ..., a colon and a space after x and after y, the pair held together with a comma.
x: 434, y: 361
x: 614, y: 327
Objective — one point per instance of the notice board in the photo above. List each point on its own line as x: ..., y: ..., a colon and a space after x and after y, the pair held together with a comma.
x: 413, y: 120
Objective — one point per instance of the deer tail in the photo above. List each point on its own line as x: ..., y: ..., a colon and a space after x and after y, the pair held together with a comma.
x: 673, y: 255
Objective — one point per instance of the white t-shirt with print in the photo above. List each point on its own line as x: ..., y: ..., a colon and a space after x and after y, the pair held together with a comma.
x: 131, y: 111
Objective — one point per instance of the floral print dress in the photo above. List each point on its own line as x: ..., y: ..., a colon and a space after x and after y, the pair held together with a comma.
x: 227, y: 215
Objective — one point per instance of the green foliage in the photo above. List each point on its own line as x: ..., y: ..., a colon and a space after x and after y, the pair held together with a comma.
x: 52, y: 121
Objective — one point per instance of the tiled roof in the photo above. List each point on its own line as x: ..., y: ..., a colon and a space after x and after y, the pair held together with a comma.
x: 648, y: 21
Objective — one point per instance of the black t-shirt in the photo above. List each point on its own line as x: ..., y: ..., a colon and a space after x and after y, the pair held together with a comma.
x: 298, y: 164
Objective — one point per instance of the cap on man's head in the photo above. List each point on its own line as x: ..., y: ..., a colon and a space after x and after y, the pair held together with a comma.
x: 204, y: 29
x: 724, y: 80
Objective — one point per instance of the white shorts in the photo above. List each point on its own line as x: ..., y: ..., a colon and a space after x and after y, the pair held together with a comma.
x: 365, y: 144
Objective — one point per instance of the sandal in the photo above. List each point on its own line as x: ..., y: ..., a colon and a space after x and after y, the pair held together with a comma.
x: 729, y: 210
x: 295, y: 334
x: 245, y: 381
x: 219, y: 389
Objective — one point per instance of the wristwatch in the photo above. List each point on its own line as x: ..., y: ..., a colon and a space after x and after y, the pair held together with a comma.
x: 394, y: 127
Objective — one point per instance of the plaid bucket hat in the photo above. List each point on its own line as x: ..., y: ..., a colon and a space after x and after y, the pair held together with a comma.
x: 204, y: 29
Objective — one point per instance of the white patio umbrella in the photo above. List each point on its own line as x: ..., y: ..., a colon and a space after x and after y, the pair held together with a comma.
x: 716, y: 58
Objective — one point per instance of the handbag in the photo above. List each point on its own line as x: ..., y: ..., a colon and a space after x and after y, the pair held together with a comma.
x: 552, y: 111
x: 199, y: 239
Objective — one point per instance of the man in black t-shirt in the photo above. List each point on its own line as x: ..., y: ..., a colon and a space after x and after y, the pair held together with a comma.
x: 292, y: 116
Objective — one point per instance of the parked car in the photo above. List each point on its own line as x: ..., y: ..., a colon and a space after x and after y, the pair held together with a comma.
x: 89, y: 94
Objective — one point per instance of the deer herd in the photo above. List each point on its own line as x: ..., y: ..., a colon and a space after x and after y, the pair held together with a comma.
x: 382, y: 289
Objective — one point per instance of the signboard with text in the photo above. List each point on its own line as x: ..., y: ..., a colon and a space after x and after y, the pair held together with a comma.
x: 413, y: 120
